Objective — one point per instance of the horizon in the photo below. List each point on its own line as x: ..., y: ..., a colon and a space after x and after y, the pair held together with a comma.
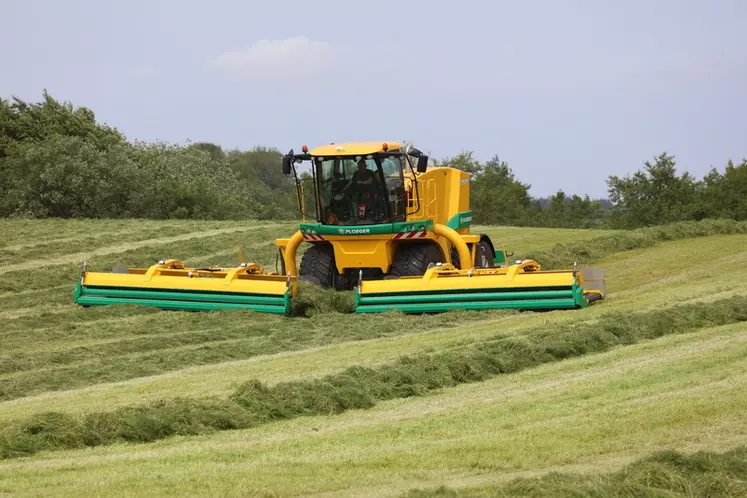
x: 566, y: 97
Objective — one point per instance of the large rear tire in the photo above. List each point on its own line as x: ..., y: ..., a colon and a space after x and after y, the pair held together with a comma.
x: 412, y: 260
x: 318, y: 265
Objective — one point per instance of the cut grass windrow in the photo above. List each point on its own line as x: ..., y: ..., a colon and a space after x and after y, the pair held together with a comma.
x: 585, y: 252
x: 255, y: 403
x: 194, y: 238
x: 202, y: 339
x: 663, y: 474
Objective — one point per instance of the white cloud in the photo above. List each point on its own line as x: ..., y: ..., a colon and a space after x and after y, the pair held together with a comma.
x: 290, y: 56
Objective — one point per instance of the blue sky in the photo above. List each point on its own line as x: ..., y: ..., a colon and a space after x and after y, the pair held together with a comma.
x: 567, y: 92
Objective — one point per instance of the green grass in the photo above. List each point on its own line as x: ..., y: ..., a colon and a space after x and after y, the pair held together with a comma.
x: 254, y: 403
x: 564, y: 255
x: 185, y: 340
x: 592, y: 414
x: 667, y: 473
x: 614, y: 407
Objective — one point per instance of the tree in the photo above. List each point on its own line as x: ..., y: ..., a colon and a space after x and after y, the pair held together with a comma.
x: 496, y: 196
x: 463, y: 161
x: 654, y: 196
x: 67, y: 177
x: 23, y: 122
x: 56, y: 160
x: 215, y: 151
x: 726, y: 195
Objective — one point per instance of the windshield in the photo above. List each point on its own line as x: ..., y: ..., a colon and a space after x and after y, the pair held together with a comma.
x: 353, y: 192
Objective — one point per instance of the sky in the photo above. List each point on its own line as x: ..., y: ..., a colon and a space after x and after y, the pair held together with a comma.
x: 566, y: 92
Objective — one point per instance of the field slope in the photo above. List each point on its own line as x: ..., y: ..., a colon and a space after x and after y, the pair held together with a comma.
x: 668, y: 381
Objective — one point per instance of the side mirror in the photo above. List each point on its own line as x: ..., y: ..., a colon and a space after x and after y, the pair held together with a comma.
x: 287, y: 165
x: 422, y: 164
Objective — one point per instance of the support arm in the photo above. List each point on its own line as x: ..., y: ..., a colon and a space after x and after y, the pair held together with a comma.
x: 289, y: 255
x: 465, y: 258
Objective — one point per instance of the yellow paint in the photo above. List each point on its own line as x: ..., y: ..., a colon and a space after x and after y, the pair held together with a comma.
x: 172, y: 275
x: 443, y: 193
x: 289, y: 253
x: 372, y: 251
x: 447, y: 278
x: 353, y: 148
x: 458, y: 242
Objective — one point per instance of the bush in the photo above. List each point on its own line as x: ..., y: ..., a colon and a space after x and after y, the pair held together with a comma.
x: 56, y: 161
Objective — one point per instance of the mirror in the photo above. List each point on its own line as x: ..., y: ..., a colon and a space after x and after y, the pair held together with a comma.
x: 422, y: 164
x: 286, y: 165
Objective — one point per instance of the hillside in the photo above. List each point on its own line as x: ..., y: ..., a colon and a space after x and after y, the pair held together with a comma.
x: 637, y: 375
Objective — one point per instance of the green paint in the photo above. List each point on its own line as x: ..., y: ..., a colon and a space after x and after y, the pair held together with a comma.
x: 571, y: 297
x: 578, y: 296
x: 460, y: 220
x: 500, y: 258
x: 464, y: 296
x: 384, y: 228
x: 544, y: 304
x: 175, y: 300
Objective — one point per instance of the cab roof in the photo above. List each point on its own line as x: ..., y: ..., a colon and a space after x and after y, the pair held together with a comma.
x: 354, y: 148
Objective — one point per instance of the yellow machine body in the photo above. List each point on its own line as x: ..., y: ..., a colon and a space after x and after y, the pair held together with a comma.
x: 421, y: 258
x: 439, y: 197
x: 170, y: 285
x: 443, y: 288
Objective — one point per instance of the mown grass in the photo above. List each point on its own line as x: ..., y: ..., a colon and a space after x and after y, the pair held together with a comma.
x: 206, y: 338
x: 49, y: 248
x: 639, y: 279
x: 44, y: 333
x: 254, y: 403
x: 667, y: 473
x: 593, y: 413
x: 31, y: 232
x: 31, y: 274
x: 522, y: 240
x: 221, y: 378
x: 564, y: 255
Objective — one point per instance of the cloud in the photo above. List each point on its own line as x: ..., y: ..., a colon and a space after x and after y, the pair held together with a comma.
x: 296, y: 55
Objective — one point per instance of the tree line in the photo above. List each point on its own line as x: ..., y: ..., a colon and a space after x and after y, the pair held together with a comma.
x: 56, y: 160
x: 657, y: 194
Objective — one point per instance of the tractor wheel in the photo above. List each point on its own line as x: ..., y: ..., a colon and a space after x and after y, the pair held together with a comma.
x: 484, y: 255
x: 318, y: 265
x: 412, y: 260
x: 455, y: 259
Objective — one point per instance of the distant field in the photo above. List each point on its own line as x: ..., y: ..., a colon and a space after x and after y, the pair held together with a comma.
x: 590, y: 414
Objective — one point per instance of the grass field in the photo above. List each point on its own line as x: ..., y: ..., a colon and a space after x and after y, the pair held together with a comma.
x: 591, y: 414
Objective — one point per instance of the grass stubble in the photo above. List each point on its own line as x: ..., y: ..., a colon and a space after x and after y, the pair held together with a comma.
x: 254, y: 403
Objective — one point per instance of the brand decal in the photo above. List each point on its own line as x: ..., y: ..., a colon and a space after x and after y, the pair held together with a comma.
x: 465, y: 219
x: 354, y: 231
